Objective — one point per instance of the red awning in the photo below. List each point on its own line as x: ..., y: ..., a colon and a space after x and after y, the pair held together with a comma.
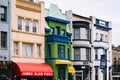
x: 32, y: 69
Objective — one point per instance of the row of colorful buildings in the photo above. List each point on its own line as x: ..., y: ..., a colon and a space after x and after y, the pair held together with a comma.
x: 46, y: 44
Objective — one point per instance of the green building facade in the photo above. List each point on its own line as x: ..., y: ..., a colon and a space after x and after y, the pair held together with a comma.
x: 58, y: 44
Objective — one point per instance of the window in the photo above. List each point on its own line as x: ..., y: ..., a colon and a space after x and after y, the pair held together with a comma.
x: 63, y: 32
x: 87, y: 54
x: 52, y: 30
x: 3, y: 40
x: 69, y: 54
x: 20, y: 23
x: 61, y: 51
x: 77, y: 54
x: 3, y: 12
x: 27, y: 22
x: 84, y: 33
x: 81, y: 54
x: 61, y: 73
x: 58, y: 30
x: 76, y: 33
x: 38, y: 50
x: 96, y: 74
x: 27, y: 49
x: 106, y: 38
x: 16, y: 48
x: 49, y: 50
x: 97, y: 36
x: 35, y: 26
x: 96, y: 53
x: 101, y: 37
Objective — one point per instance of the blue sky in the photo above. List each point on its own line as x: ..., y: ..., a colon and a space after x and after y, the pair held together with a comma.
x: 104, y: 9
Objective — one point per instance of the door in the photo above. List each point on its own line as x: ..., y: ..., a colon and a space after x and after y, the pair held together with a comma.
x: 78, y: 76
x: 61, y: 73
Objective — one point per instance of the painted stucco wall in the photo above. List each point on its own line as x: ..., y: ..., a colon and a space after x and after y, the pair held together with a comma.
x: 27, y: 37
x: 5, y: 26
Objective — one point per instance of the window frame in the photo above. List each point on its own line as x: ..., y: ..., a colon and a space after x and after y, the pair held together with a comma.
x: 35, y: 26
x: 76, y: 33
x: 61, y: 51
x: 20, y: 21
x: 16, y: 48
x: 38, y: 50
x: 27, y: 54
x: 27, y: 25
x: 4, y: 40
x: 96, y: 54
x: 4, y: 14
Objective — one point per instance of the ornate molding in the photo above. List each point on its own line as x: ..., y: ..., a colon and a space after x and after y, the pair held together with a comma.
x: 26, y: 5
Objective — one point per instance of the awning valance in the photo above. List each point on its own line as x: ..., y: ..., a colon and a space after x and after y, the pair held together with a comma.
x: 71, y: 69
x: 63, y: 62
x: 32, y: 69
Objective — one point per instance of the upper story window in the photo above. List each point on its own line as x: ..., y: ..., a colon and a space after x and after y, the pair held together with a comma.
x: 20, y: 23
x: 58, y: 30
x: 49, y: 50
x: 27, y: 25
x: 84, y: 33
x: 101, y: 37
x: 69, y: 56
x: 39, y: 50
x: 97, y: 36
x: 81, y: 54
x: 16, y: 48
x: 52, y: 30
x: 96, y: 53
x: 3, y: 40
x: 81, y: 33
x: 61, y: 51
x: 3, y: 12
x: 63, y: 32
x: 77, y: 54
x: 27, y: 49
x: 106, y: 38
x: 76, y: 33
x: 35, y: 26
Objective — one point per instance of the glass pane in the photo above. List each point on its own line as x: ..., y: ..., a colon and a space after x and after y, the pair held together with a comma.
x: 38, y: 50
x: 76, y: 54
x: 27, y: 22
x: 20, y: 21
x: 2, y: 10
x: 77, y: 33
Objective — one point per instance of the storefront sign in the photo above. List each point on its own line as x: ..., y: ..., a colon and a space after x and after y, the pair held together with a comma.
x: 36, y: 74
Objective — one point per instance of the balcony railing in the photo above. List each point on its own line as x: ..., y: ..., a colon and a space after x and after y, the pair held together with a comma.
x: 57, y: 38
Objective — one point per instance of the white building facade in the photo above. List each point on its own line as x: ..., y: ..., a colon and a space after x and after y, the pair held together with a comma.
x: 101, y: 49
x: 91, y: 47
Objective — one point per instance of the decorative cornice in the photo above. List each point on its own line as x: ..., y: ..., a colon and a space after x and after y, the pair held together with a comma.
x: 27, y: 5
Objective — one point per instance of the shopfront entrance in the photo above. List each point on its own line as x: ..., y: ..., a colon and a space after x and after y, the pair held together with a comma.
x: 61, y: 73
x: 79, y: 75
